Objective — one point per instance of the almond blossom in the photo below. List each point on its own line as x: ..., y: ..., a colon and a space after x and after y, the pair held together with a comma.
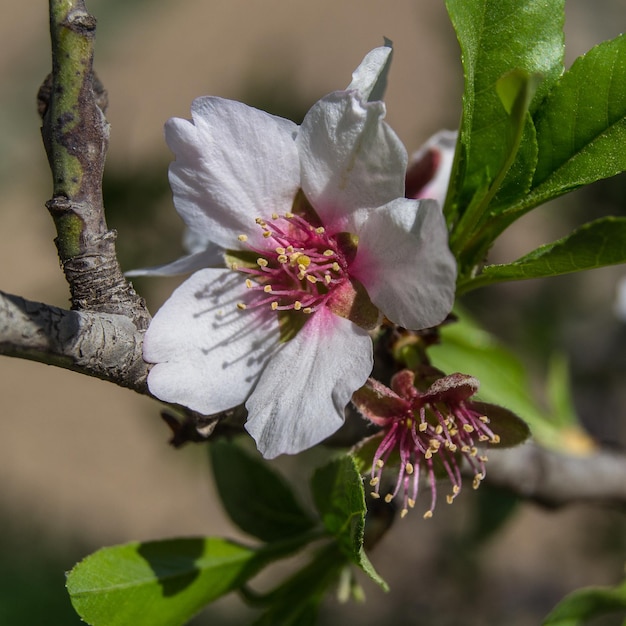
x: 312, y: 242
x: 431, y: 432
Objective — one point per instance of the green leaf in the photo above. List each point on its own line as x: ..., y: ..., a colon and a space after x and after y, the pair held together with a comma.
x: 160, y: 583
x: 339, y: 497
x: 255, y: 497
x: 578, y: 607
x: 581, y: 126
x: 497, y: 37
x: 591, y: 246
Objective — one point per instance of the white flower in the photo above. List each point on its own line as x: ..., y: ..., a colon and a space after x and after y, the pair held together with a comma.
x: 317, y: 241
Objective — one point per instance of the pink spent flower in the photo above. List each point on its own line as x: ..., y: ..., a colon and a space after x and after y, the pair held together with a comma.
x: 315, y: 242
x: 431, y: 432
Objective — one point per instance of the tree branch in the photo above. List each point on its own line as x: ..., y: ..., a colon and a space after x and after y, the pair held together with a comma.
x: 103, y: 345
x: 75, y: 134
x: 555, y: 479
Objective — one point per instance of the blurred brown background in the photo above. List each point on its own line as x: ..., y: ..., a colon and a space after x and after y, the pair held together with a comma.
x: 83, y: 464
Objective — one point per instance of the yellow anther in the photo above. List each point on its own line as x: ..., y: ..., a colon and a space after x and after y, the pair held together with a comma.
x: 280, y: 250
x: 260, y: 221
x: 267, y: 289
x: 288, y: 215
x: 483, y: 458
x: 495, y: 439
x: 428, y: 454
x: 484, y: 419
x: 374, y: 481
x: 290, y: 249
x: 465, y: 449
x: 439, y: 429
x: 248, y: 283
x: 241, y: 306
x: 311, y: 279
x: 449, y: 499
x: 266, y: 234
x: 411, y: 502
x: 403, y: 513
x: 452, y: 447
x: 274, y: 216
x: 274, y: 305
x: 297, y: 305
x: 428, y: 514
x: 380, y: 464
x: 375, y: 495
x: 307, y: 310
x: 483, y: 438
x: 262, y: 262
x: 281, y: 258
x: 300, y: 274
x: 320, y: 230
x: 328, y: 252
x: 336, y: 267
x: 328, y: 279
x: 456, y: 489
x: 468, y: 428
x: 409, y: 468
x: 423, y: 427
x: 243, y: 237
x: 388, y: 498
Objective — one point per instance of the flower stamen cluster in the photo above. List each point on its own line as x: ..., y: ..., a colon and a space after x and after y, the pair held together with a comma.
x: 299, y: 268
x: 431, y: 432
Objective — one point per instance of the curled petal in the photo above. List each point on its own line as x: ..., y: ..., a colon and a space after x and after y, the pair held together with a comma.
x: 233, y: 163
x: 370, y: 78
x: 404, y: 262
x: 208, y: 352
x: 350, y: 159
x: 302, y: 393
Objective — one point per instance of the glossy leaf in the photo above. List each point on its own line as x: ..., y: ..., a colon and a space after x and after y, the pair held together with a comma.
x: 339, y: 497
x: 582, y: 605
x: 160, y: 583
x: 581, y: 126
x: 593, y: 245
x: 497, y: 37
x: 255, y: 497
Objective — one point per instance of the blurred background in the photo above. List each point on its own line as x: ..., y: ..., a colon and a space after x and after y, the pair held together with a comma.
x: 84, y: 464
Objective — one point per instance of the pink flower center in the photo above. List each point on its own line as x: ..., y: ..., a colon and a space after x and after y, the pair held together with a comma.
x: 299, y: 268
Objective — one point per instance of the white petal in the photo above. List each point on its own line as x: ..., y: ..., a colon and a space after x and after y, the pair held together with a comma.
x: 350, y: 158
x: 208, y: 353
x: 233, y: 164
x: 370, y: 78
x: 210, y: 257
x: 404, y: 262
x: 302, y: 393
